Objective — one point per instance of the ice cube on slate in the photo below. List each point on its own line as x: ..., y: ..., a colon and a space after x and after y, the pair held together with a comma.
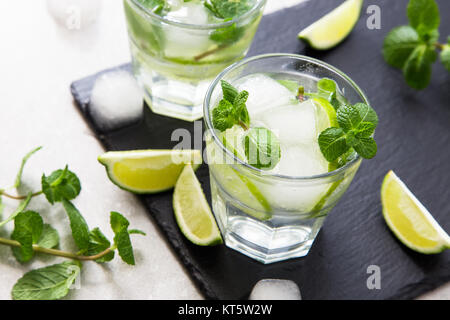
x: 116, y: 100
x: 275, y: 289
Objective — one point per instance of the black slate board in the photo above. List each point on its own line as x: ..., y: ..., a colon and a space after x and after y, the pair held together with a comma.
x: 413, y: 138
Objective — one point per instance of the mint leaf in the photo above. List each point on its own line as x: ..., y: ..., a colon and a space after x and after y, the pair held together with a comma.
x: 262, y: 148
x: 229, y: 9
x: 24, y: 161
x: 229, y: 91
x: 79, y: 227
x: 119, y: 225
x: 61, y: 184
x: 155, y: 6
x: 28, y: 226
x: 423, y: 15
x: 348, y: 117
x: 241, y: 108
x: 49, y: 283
x: 326, y: 88
x: 332, y: 143
x: 366, y: 147
x: 223, y: 116
x: 22, y: 206
x: 445, y: 56
x: 227, y: 35
x: 364, y: 130
x: 99, y: 243
x: 417, y: 69
x: 232, y: 109
x: 49, y: 238
x: 398, y: 45
x: 137, y: 231
x: 367, y: 113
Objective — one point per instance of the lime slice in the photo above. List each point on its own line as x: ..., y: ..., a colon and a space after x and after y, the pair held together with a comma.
x: 239, y: 186
x: 334, y: 27
x: 409, y: 220
x: 192, y: 212
x: 148, y: 171
x: 326, y: 114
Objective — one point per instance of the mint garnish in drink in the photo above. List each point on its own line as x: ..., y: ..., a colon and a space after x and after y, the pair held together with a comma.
x: 262, y: 147
x: 356, y: 125
x: 412, y: 48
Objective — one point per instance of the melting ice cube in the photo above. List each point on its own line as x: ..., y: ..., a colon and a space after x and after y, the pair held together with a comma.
x: 264, y: 93
x: 275, y: 289
x: 293, y: 123
x: 116, y: 100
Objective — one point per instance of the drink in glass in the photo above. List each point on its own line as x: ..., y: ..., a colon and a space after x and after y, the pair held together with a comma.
x: 178, y: 47
x: 275, y: 214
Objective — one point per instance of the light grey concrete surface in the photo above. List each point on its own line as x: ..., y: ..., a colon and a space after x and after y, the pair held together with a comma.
x: 40, y: 58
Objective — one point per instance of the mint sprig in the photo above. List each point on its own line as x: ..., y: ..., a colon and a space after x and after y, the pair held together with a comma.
x: 32, y: 235
x: 262, y: 147
x: 412, y: 48
x: 232, y: 109
x: 357, y: 124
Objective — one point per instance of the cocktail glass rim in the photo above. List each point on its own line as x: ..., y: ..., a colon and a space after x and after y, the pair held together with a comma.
x: 211, y: 26
x: 259, y: 172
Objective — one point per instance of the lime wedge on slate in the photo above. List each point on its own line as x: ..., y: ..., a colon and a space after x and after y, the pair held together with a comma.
x: 192, y: 211
x: 334, y: 27
x: 148, y: 171
x: 409, y: 220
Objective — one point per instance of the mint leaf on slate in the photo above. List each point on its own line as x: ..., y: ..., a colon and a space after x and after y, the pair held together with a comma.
x: 79, y: 227
x: 119, y: 225
x: 49, y: 238
x: 423, y: 15
x: 262, y: 148
x: 28, y: 226
x: 398, y: 45
x: 24, y: 161
x: 417, y: 69
x: 99, y: 243
x: 49, y: 283
x: 61, y: 184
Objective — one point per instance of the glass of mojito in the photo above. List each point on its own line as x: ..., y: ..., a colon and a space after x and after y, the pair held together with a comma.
x: 179, y: 46
x: 280, y: 151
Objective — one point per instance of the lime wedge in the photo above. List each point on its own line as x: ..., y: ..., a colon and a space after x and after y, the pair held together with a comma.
x: 192, y: 212
x: 334, y: 27
x: 148, y: 171
x: 409, y: 220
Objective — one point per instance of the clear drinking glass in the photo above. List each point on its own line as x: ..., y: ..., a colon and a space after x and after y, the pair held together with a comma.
x: 272, y: 217
x: 175, y: 62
